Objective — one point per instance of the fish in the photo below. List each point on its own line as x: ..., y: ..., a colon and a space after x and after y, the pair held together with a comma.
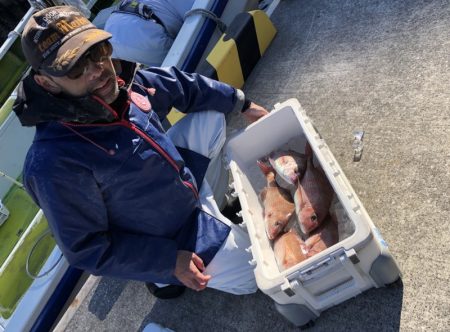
x: 289, y: 167
x: 289, y: 249
x: 313, y: 196
x: 278, y: 206
x: 322, y: 238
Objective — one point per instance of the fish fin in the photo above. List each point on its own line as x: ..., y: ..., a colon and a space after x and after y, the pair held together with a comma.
x: 281, y: 182
x: 299, y: 189
x: 313, y: 239
x: 264, y: 166
x: 291, y: 222
x: 300, y: 155
x: 309, y: 156
x: 308, y: 150
x: 262, y: 194
x: 286, y: 195
x: 302, y: 230
x: 304, y: 248
x: 332, y: 216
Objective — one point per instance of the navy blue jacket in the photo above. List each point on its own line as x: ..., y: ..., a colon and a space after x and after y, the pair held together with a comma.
x: 118, y: 196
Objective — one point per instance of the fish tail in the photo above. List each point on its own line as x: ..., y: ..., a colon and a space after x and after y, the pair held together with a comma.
x: 308, y: 150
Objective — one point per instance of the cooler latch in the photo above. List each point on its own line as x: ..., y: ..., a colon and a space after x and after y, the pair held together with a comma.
x: 287, y: 287
x: 352, y: 256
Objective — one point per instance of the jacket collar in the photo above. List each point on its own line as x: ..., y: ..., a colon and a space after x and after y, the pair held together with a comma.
x: 35, y: 105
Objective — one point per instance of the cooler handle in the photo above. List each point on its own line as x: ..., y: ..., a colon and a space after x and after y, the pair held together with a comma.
x: 345, y: 289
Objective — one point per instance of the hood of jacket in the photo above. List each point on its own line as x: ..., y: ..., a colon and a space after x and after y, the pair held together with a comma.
x: 35, y: 105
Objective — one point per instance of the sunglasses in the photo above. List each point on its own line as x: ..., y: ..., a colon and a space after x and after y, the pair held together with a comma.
x: 97, y: 54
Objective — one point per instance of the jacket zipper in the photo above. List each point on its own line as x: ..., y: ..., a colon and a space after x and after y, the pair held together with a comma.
x: 143, y: 135
x: 160, y: 150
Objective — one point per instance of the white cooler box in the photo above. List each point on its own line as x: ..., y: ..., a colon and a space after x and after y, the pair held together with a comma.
x: 344, y: 270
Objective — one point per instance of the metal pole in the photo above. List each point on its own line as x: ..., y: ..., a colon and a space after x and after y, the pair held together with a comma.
x: 6, y: 176
x: 13, y: 35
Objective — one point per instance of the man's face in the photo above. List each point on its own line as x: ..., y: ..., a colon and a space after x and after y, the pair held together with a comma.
x: 93, y: 74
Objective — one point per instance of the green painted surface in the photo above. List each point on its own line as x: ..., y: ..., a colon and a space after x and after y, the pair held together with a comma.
x: 6, y: 109
x: 21, y: 212
x: 14, y: 281
x: 12, y: 66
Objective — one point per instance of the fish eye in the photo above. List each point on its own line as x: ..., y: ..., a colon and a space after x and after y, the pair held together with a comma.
x: 314, y: 217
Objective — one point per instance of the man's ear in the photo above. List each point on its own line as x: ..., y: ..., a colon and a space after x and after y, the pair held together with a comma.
x: 117, y: 66
x: 47, y: 83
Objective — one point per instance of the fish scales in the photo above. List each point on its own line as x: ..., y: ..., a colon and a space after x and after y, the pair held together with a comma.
x: 313, y: 196
x: 278, y: 206
x: 322, y: 238
x: 289, y: 249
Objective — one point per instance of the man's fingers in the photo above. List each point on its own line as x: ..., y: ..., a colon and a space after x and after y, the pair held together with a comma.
x: 191, y: 274
x: 198, y: 262
x: 196, y: 281
x: 201, y: 278
x: 254, y: 112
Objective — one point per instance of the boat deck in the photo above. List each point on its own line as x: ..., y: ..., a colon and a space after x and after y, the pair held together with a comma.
x: 380, y: 66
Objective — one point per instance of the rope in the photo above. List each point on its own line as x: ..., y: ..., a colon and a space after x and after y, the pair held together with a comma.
x: 209, y: 14
x: 27, y: 269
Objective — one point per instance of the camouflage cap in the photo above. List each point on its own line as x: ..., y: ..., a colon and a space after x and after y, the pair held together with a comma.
x: 56, y: 37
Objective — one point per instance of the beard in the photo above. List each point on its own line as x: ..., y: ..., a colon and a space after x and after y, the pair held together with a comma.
x: 105, y: 87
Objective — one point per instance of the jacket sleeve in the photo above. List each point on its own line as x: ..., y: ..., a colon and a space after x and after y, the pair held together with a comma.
x: 77, y: 217
x: 187, y: 92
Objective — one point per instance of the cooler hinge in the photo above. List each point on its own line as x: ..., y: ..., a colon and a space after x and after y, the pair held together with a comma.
x: 352, y: 256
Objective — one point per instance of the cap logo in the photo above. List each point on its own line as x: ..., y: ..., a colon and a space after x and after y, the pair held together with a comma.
x: 64, y: 59
x: 92, y: 35
x: 54, y: 15
x: 47, y: 42
x: 49, y: 17
x: 37, y: 36
x: 60, y: 62
x: 66, y: 27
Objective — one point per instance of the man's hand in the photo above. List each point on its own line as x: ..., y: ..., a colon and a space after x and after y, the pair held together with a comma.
x: 254, y: 112
x: 188, y: 270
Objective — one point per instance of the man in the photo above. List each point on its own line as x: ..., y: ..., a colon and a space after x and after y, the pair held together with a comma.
x: 143, y: 31
x: 120, y: 198
x: 151, y: 24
